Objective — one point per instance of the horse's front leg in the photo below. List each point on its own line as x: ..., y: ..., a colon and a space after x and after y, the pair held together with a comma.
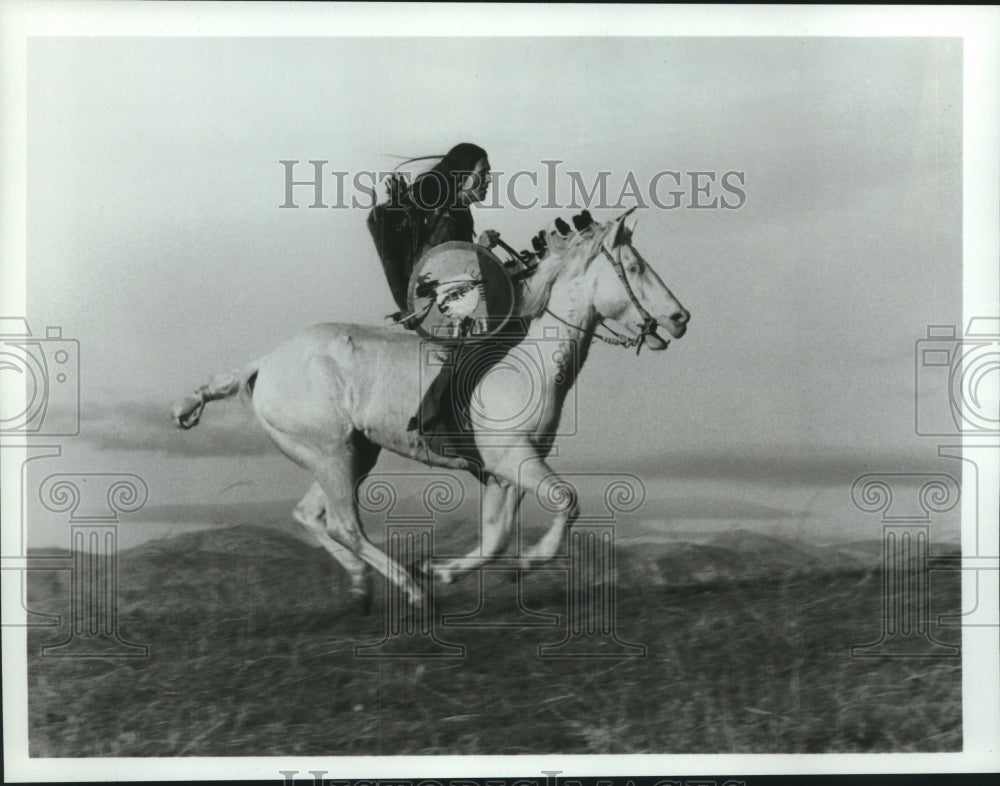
x: 497, y: 516
x: 533, y: 475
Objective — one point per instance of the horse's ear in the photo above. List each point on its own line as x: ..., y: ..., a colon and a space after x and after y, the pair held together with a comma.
x: 620, y: 230
x: 630, y: 221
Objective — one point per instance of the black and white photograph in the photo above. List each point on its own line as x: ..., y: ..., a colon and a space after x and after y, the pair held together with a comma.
x: 601, y: 390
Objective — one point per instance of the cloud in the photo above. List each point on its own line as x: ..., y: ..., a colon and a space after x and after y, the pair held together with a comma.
x: 227, y: 429
x: 220, y: 513
x: 795, y: 466
x: 715, y: 508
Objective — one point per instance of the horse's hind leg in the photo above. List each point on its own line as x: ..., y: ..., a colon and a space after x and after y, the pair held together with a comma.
x: 345, y: 528
x: 339, y: 477
x: 333, y: 499
x: 311, y: 514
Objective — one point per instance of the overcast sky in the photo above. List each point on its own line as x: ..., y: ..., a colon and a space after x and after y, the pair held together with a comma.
x: 155, y: 235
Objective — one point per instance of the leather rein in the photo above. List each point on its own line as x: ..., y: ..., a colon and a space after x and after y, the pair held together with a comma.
x: 649, y: 323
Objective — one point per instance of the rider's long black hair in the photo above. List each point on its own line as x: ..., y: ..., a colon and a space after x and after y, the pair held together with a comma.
x: 439, y: 186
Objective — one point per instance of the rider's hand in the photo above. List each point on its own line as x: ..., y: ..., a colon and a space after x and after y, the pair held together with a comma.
x: 489, y: 238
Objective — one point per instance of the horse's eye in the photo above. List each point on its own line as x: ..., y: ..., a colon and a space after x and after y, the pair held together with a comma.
x: 633, y: 270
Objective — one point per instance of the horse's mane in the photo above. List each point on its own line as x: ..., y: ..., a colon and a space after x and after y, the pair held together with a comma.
x: 567, y: 255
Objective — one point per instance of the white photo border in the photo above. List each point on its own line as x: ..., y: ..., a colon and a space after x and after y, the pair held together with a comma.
x: 979, y: 29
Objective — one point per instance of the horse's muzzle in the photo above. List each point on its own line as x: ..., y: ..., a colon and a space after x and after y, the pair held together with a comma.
x: 675, y: 324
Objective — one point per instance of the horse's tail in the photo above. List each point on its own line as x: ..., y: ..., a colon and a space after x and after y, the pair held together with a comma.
x: 187, y: 411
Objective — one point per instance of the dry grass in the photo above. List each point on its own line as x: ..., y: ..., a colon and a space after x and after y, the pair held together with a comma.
x: 252, y: 653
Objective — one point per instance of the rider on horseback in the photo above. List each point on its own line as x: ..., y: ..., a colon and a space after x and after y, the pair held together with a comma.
x: 433, y: 211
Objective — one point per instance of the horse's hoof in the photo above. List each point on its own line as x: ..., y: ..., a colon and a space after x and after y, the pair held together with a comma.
x: 363, y: 603
x: 417, y: 599
x: 419, y: 569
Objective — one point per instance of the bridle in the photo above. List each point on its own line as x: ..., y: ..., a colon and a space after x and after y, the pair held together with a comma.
x: 649, y: 323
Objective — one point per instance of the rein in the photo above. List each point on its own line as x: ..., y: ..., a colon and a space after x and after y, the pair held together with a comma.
x: 649, y: 323
x: 616, y: 339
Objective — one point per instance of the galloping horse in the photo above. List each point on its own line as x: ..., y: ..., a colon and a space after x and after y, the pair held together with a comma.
x: 333, y: 396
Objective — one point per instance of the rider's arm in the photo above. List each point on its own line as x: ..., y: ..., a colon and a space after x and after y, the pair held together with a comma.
x: 489, y: 238
x: 446, y: 225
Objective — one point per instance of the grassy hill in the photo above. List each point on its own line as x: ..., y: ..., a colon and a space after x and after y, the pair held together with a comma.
x: 252, y: 652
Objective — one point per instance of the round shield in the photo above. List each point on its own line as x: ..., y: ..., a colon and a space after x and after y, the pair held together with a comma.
x: 460, y: 290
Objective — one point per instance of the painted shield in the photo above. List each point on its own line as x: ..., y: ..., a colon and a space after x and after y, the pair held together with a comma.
x: 460, y: 290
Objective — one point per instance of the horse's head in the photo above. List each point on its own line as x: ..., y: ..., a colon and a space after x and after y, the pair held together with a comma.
x: 612, y: 298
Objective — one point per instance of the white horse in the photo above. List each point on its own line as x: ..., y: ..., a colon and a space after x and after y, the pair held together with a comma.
x: 333, y: 396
